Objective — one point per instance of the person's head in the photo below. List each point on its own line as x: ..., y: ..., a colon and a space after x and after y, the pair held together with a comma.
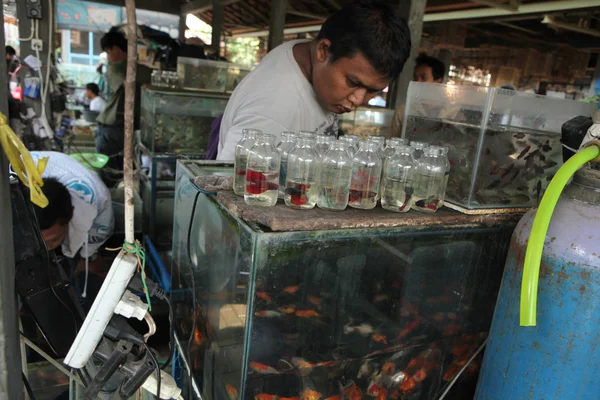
x: 359, y: 50
x: 114, y: 44
x: 11, y: 53
x: 429, y: 69
x: 54, y: 219
x: 92, y: 91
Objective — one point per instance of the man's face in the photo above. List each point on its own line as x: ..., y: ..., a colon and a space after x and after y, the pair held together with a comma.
x: 9, y: 57
x: 423, y: 73
x: 115, y: 54
x: 89, y: 94
x: 345, y: 84
x: 55, y: 235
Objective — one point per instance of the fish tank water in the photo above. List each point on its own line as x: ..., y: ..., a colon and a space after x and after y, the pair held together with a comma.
x: 365, y: 122
x: 266, y: 305
x: 178, y: 121
x: 504, y: 146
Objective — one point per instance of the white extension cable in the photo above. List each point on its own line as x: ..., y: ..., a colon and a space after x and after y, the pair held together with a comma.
x: 32, y: 34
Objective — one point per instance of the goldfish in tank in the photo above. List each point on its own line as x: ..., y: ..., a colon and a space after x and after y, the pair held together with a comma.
x: 287, y: 309
x: 307, y: 313
x: 291, y: 289
x: 268, y: 314
x: 262, y: 368
x: 263, y: 296
x: 231, y: 392
x: 379, y: 338
x: 314, y: 300
x: 310, y: 394
x: 265, y: 396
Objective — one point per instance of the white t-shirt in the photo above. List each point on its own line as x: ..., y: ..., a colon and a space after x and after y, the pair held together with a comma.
x: 92, y: 205
x: 274, y: 98
x: 97, y: 104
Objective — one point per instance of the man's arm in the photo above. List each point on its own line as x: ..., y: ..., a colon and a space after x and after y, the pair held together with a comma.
x: 396, y: 128
x: 234, y: 133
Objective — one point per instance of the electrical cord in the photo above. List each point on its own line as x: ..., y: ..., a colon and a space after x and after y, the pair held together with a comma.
x: 27, y: 386
x: 453, y: 381
x: 189, y: 252
x: 156, y: 368
x: 32, y: 32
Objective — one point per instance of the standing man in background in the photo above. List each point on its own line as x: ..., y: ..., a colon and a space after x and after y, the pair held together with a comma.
x: 110, y: 135
x: 92, y: 92
x: 428, y: 69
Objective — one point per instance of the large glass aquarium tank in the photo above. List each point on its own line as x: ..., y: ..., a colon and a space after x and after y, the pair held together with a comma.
x: 504, y: 146
x: 329, y: 305
x: 178, y: 121
x: 175, y: 124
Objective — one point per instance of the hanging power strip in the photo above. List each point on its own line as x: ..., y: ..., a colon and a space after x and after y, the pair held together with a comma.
x: 34, y: 9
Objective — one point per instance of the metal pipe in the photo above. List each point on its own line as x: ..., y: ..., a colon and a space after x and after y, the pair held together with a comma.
x: 548, y: 6
x: 129, y: 119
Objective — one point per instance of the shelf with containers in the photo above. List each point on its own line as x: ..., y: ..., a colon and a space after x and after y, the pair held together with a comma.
x: 504, y: 146
x: 175, y: 124
x: 296, y: 303
x: 365, y: 122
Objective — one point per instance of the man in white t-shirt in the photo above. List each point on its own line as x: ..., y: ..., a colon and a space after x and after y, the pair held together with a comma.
x: 304, y: 85
x: 92, y: 92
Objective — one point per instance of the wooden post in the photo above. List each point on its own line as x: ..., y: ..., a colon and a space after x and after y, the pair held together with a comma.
x: 412, y: 11
x: 218, y: 17
x: 277, y: 23
x: 11, y: 386
x: 129, y: 120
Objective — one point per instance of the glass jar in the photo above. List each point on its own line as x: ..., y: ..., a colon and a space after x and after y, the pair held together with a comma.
x: 241, y: 160
x: 366, y: 176
x: 323, y: 143
x: 391, y: 144
x: 301, y: 181
x: 443, y: 151
x: 308, y: 135
x: 351, y: 149
x: 262, y: 173
x: 155, y: 79
x: 288, y: 142
x: 419, y: 149
x: 430, y: 180
x: 335, y: 172
x: 398, y: 180
x: 380, y: 140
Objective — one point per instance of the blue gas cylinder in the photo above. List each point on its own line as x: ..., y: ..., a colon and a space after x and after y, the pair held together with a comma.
x: 560, y: 357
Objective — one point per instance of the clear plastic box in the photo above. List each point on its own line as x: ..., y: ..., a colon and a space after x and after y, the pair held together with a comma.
x: 504, y: 146
x: 205, y: 75
x: 367, y: 122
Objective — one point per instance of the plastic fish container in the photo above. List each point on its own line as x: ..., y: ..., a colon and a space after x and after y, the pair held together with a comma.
x: 365, y: 122
x: 314, y: 304
x: 235, y: 74
x: 504, y: 146
x: 205, y: 75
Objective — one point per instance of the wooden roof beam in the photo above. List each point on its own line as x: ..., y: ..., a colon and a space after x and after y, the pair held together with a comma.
x: 198, y: 6
x: 513, y: 5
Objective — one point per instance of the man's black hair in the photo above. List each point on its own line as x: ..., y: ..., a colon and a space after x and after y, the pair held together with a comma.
x: 438, y: 69
x: 60, y: 207
x: 10, y: 51
x: 92, y: 87
x: 114, y: 38
x: 373, y: 28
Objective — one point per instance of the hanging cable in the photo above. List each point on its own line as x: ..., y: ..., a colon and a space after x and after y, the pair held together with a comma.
x: 32, y: 34
x: 156, y: 368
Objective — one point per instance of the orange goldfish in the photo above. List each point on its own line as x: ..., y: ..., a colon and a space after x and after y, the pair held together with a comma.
x: 334, y: 397
x: 288, y: 309
x: 307, y: 313
x: 314, y: 300
x: 265, y: 396
x: 288, y: 398
x: 408, y: 385
x: 382, y: 394
x: 232, y: 392
x: 388, y: 368
x: 379, y: 338
x: 291, y: 289
x: 264, y: 296
x: 352, y: 392
x: 451, y: 329
x: 302, y: 363
x: 420, y: 375
x: 262, y: 368
x: 450, y: 372
x: 411, y: 326
x: 198, y: 336
x: 310, y: 394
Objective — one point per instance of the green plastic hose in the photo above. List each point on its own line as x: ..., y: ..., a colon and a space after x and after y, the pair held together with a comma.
x: 533, y: 255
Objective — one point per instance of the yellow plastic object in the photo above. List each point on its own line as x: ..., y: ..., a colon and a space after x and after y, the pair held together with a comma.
x: 535, y: 247
x: 22, y: 163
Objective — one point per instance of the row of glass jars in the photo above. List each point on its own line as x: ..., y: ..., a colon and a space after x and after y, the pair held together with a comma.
x: 306, y: 169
